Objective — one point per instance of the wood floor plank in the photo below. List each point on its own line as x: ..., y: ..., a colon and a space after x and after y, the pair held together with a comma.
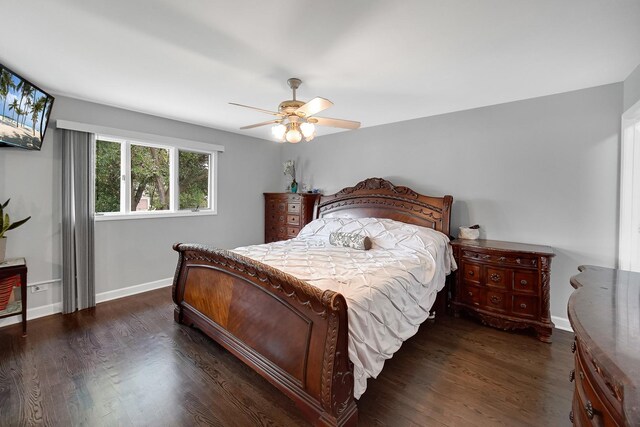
x: 127, y: 363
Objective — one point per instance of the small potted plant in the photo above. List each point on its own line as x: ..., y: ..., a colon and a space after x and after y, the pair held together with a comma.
x: 7, y: 284
x: 6, y: 225
x: 290, y: 169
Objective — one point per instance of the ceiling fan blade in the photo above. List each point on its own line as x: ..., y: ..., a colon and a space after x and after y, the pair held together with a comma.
x: 270, y: 122
x: 257, y: 109
x: 313, y: 107
x: 336, y: 123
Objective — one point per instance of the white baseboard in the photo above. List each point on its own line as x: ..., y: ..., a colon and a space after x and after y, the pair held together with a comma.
x: 562, y: 323
x: 47, y: 310
x: 132, y: 290
x: 34, y: 313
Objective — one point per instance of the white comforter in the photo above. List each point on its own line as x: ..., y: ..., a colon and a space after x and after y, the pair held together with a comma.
x: 389, y: 289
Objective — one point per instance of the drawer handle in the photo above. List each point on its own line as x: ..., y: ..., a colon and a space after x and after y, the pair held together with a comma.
x: 470, y: 272
x: 572, y: 375
x: 588, y: 407
x: 495, y: 277
x: 523, y: 282
x: 486, y: 256
x: 571, y: 416
x: 470, y: 293
x: 495, y: 299
x: 573, y: 347
x: 581, y: 376
x: 523, y: 305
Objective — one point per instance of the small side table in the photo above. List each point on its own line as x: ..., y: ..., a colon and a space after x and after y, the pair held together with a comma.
x: 10, y: 268
x: 505, y: 284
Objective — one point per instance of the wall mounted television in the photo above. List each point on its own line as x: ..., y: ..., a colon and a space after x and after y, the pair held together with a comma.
x: 24, y: 112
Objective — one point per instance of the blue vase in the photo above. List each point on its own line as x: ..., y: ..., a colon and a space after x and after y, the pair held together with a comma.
x: 294, y: 186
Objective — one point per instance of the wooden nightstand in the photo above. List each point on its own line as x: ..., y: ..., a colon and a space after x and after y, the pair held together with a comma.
x: 504, y: 284
x: 9, y: 269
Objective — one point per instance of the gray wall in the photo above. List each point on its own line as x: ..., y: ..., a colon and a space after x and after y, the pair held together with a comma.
x: 542, y: 171
x: 631, y: 89
x: 133, y: 252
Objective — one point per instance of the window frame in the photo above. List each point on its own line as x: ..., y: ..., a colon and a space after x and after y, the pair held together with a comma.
x: 629, y: 204
x: 174, y: 210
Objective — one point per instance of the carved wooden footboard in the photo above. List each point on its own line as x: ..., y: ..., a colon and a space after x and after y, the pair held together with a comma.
x: 291, y: 333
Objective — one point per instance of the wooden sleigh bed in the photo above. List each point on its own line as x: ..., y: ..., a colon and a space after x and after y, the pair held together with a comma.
x: 293, y: 334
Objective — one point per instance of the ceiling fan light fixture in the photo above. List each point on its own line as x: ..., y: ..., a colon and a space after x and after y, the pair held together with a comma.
x: 296, y: 119
x: 293, y: 135
x: 308, y: 130
x: 278, y: 131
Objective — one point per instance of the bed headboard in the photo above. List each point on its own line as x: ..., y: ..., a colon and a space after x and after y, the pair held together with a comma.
x: 378, y: 198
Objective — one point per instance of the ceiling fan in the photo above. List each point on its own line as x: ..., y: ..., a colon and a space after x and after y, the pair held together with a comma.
x: 296, y: 118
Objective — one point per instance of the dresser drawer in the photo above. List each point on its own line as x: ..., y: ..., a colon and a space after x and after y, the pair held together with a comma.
x: 293, y: 207
x: 525, y: 282
x: 294, y: 198
x: 496, y: 277
x: 277, y: 219
x: 293, y: 219
x: 590, y: 409
x: 525, y: 306
x: 586, y: 369
x: 292, y: 231
x: 471, y: 272
x: 497, y: 301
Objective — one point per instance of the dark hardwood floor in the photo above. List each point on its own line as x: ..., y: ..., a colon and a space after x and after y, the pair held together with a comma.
x: 127, y: 363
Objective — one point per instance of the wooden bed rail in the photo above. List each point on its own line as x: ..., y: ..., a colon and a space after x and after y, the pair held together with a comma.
x: 293, y: 334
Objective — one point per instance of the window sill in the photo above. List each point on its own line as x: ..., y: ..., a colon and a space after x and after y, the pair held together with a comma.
x: 151, y: 215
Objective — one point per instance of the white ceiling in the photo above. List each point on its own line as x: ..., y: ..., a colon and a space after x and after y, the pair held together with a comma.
x: 378, y: 61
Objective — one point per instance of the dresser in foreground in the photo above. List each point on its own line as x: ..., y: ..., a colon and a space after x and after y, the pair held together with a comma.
x: 604, y: 312
x: 286, y: 213
x: 505, y: 284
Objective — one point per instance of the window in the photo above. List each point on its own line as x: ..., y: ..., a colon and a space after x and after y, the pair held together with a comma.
x: 138, y: 180
x: 193, y: 182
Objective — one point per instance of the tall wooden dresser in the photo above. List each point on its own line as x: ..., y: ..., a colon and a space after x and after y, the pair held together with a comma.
x: 286, y: 213
x: 604, y: 312
x: 505, y: 284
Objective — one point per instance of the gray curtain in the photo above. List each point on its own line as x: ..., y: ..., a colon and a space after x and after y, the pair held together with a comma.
x: 78, y: 281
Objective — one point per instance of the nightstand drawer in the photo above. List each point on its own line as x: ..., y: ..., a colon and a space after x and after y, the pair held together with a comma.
x: 496, y: 277
x: 525, y: 306
x: 473, y: 295
x: 497, y: 300
x: 292, y: 231
x: 525, y: 282
x: 475, y: 255
x: 471, y: 273
x: 515, y: 260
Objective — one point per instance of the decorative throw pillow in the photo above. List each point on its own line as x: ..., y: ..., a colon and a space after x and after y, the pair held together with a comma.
x: 350, y: 240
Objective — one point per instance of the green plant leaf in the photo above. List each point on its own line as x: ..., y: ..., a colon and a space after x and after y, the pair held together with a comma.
x: 18, y: 223
x: 4, y: 205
